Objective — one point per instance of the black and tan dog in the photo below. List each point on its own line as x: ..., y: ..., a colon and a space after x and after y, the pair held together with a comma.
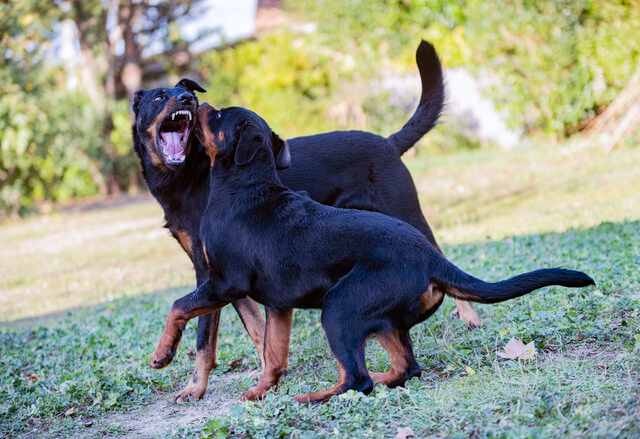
x: 351, y: 169
x: 369, y: 273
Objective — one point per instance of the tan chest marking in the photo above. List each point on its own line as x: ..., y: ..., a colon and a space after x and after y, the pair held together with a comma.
x: 185, y: 241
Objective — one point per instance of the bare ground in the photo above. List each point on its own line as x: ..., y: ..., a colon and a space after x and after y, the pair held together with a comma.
x: 161, y: 416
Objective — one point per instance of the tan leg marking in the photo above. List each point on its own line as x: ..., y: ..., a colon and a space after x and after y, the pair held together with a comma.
x: 197, y: 385
x: 172, y: 334
x: 401, y: 359
x: 276, y: 352
x: 169, y: 340
x: 205, y: 362
x: 324, y: 396
x: 467, y: 314
x: 253, y: 322
x: 464, y: 311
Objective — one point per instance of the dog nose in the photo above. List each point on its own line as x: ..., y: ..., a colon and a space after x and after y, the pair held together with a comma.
x: 185, y: 98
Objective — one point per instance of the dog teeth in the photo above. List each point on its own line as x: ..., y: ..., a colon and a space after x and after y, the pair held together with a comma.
x: 187, y: 113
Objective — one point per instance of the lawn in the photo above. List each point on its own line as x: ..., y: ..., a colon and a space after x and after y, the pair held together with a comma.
x: 84, y: 296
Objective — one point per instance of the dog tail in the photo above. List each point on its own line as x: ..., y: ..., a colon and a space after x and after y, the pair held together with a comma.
x: 466, y: 287
x: 431, y: 101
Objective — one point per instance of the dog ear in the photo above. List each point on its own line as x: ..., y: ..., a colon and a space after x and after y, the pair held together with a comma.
x: 249, y: 142
x: 137, y: 96
x: 190, y: 85
x: 281, y: 151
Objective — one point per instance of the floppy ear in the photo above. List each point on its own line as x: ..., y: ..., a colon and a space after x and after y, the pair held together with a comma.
x: 249, y: 143
x: 281, y: 151
x: 136, y: 99
x: 190, y: 85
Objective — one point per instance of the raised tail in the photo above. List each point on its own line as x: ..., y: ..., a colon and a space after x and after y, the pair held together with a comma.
x: 431, y: 101
x: 466, y: 287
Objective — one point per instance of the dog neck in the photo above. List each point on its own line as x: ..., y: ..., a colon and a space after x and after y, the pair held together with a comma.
x: 256, y: 181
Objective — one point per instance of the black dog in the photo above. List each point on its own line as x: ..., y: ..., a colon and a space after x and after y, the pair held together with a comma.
x: 369, y: 273
x: 351, y: 169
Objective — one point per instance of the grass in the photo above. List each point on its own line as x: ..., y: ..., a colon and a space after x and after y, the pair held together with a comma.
x: 108, y: 277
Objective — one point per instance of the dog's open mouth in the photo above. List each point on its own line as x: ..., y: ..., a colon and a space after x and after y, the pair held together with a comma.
x: 174, y: 135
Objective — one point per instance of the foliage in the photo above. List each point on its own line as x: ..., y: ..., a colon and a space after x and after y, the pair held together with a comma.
x: 44, y: 131
x: 65, y: 130
x: 277, y: 76
x: 549, y: 65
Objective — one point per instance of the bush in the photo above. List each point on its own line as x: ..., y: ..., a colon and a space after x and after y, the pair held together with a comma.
x: 553, y: 63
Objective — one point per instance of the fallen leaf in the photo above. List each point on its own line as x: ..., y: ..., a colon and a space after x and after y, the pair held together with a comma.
x: 517, y: 350
x: 580, y: 335
x: 404, y: 433
x: 88, y: 423
x: 70, y: 412
x: 468, y: 371
x: 31, y: 376
x: 34, y: 422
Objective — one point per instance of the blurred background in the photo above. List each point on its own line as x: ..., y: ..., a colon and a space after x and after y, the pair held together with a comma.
x: 516, y: 70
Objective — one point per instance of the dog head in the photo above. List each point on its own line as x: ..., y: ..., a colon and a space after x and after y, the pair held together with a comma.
x: 164, y: 119
x: 239, y: 133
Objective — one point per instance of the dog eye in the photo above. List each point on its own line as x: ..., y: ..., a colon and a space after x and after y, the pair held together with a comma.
x: 218, y: 115
x: 158, y: 98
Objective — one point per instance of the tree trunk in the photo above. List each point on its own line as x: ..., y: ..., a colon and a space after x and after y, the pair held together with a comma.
x: 621, y: 119
x: 131, y: 75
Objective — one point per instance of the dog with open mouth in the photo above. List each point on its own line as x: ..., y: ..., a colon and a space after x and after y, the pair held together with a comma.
x: 164, y: 120
x: 348, y: 169
x: 370, y: 274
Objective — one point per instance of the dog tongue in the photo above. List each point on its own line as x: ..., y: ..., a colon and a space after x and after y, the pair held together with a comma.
x: 172, y: 142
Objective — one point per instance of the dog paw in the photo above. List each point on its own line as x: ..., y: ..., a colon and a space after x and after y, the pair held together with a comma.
x: 469, y: 316
x: 253, y: 394
x: 160, y: 360
x: 193, y: 392
x: 311, y: 398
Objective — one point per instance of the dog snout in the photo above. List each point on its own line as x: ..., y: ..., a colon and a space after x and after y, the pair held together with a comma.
x: 186, y: 98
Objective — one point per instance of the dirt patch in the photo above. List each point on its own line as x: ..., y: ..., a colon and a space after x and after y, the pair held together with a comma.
x: 161, y: 416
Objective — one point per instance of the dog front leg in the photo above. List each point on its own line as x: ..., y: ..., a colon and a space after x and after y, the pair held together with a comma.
x: 202, y: 301
x: 276, y: 352
x: 205, y: 358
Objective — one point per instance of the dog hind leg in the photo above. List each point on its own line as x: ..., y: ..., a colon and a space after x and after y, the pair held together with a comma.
x: 346, y: 334
x: 397, y: 343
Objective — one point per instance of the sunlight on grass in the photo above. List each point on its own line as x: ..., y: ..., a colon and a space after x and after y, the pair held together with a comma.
x: 62, y: 261
x: 482, y: 195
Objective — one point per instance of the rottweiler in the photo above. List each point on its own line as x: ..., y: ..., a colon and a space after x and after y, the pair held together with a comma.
x: 371, y: 274
x: 349, y: 169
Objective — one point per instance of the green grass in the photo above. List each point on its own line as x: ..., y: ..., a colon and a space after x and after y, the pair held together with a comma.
x: 496, y: 214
